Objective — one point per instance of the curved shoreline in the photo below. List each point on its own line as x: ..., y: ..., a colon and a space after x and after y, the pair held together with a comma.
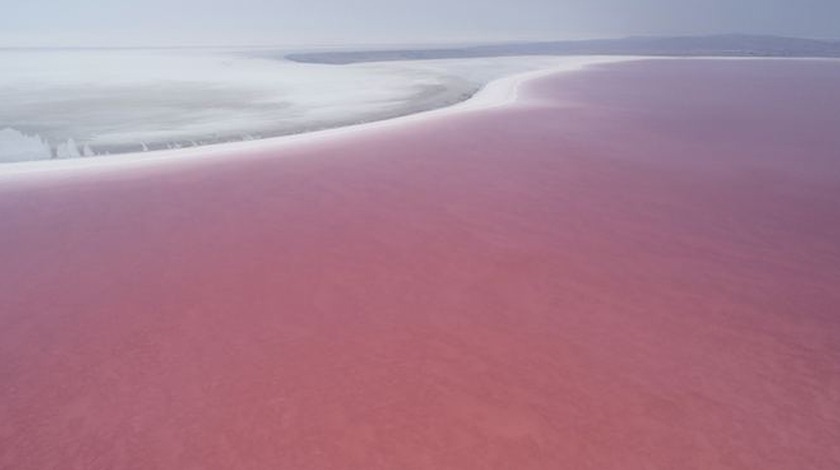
x: 500, y: 92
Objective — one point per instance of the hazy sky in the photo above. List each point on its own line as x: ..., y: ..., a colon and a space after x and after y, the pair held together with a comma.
x: 138, y: 22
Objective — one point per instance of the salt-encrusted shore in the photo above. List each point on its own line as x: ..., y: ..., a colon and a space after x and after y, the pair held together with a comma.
x: 500, y: 92
x: 146, y: 101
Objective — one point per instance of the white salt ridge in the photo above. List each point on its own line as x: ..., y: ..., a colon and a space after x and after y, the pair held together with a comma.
x: 68, y: 149
x: 15, y: 146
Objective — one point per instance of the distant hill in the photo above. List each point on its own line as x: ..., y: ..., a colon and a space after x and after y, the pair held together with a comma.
x: 733, y: 45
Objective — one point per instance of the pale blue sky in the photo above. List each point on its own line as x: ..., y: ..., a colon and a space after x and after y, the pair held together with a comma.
x: 139, y: 22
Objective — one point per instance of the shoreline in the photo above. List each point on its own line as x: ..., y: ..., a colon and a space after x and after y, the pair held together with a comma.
x: 499, y: 92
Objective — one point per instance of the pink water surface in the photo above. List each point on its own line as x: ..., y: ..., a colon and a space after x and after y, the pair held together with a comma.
x: 636, y: 267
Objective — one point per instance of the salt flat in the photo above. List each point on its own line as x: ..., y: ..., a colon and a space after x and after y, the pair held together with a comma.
x: 72, y: 103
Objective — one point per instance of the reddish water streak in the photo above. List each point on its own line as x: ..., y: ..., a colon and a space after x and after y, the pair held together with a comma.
x: 636, y: 268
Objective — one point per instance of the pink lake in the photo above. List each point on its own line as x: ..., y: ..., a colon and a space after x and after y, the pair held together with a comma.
x: 636, y: 266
